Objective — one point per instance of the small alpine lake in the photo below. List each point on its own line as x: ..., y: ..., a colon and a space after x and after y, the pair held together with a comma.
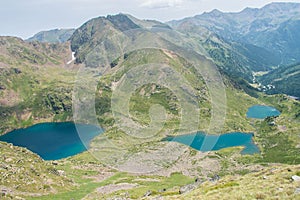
x: 53, y: 141
x: 261, y: 112
x: 205, y: 142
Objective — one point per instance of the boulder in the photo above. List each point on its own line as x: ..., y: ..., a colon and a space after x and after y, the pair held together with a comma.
x: 296, y: 178
x: 187, y: 188
x: 118, y: 198
x: 61, y: 172
x: 215, y: 178
x: 162, y: 190
x: 148, y: 193
x: 54, y: 163
x: 17, y: 71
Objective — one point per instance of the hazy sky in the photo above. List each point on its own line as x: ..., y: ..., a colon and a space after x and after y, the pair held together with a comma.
x: 23, y: 18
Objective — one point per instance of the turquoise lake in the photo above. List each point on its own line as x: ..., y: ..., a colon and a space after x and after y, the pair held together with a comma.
x: 216, y: 142
x: 53, y: 141
x: 261, y: 112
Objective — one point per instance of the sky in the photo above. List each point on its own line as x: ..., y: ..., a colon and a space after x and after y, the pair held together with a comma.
x: 24, y: 18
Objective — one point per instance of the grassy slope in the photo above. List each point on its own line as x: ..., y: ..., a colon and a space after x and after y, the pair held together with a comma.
x: 24, y: 173
x: 85, y: 170
x: 36, y: 84
x: 271, y: 183
x: 280, y: 142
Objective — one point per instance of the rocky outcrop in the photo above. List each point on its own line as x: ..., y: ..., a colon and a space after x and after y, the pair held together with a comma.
x: 148, y: 193
x: 190, y: 187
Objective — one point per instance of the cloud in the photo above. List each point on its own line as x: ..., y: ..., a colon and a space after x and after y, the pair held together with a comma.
x: 161, y: 3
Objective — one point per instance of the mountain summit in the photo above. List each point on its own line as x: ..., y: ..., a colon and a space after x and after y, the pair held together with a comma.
x: 275, y: 27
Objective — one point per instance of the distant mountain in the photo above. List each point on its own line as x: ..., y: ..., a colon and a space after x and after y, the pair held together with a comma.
x: 53, y: 36
x: 96, y: 31
x: 275, y: 27
x: 284, y: 80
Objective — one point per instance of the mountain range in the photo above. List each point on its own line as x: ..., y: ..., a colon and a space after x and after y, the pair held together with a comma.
x: 241, y: 44
x: 275, y: 27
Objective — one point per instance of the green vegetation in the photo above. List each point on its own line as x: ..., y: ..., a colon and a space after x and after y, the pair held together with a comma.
x: 25, y: 173
x: 84, y: 172
x: 259, y: 185
x: 35, y: 87
x: 278, y: 136
x: 156, y: 185
x: 285, y: 79
x: 230, y: 60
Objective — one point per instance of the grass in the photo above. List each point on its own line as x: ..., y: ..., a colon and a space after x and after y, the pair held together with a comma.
x: 33, y: 90
x: 76, y: 193
x: 164, y: 186
x: 23, y: 171
x: 279, y: 146
x: 261, y: 185
x: 87, y: 186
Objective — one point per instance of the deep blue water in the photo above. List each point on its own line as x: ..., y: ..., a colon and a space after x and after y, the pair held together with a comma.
x: 216, y: 142
x: 261, y: 112
x: 53, y: 141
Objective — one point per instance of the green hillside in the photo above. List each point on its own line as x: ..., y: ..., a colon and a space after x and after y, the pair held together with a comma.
x: 284, y: 79
x: 35, y: 82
